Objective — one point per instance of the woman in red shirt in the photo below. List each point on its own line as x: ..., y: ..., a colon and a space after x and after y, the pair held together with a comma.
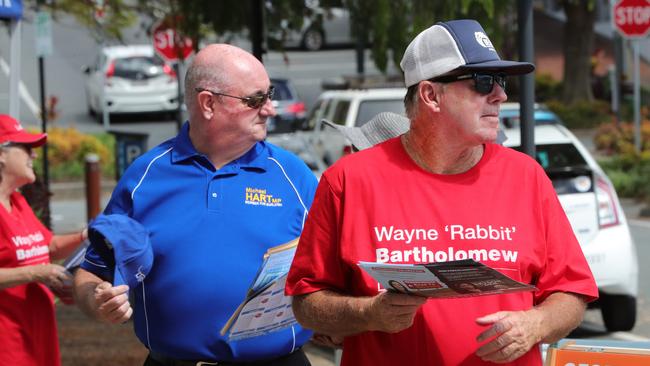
x: 27, y: 278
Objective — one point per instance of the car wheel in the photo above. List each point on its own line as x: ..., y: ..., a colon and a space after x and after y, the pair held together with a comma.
x: 619, y: 312
x: 313, y: 39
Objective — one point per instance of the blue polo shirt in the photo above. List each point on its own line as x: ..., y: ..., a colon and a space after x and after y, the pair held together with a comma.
x: 209, y: 230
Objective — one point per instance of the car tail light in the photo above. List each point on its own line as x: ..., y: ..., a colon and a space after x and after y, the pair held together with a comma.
x: 347, y: 150
x: 606, y: 198
x: 110, y: 70
x: 170, y: 72
x: 297, y: 109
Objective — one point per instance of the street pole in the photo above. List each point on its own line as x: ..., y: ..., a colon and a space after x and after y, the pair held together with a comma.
x: 45, y: 215
x: 637, y: 98
x: 526, y: 82
x: 179, y: 109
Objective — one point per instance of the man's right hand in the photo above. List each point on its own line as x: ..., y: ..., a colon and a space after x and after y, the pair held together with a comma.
x: 52, y: 275
x: 392, y: 312
x: 112, y: 303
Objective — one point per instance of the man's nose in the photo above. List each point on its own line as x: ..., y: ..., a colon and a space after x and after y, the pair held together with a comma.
x: 498, y: 94
x: 268, y: 109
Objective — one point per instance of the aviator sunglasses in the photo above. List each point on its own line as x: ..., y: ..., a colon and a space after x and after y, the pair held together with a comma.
x: 255, y: 101
x: 483, y: 82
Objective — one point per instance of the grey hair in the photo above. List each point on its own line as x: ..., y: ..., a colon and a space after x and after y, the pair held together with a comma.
x: 411, y: 101
x: 204, y: 76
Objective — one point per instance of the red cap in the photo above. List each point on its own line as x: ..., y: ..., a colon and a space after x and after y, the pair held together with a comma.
x: 12, y: 131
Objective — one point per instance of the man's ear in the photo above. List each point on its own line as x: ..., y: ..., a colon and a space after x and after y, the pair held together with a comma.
x: 206, y: 105
x: 429, y: 94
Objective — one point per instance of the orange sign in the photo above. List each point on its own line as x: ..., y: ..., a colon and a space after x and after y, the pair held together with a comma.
x: 571, y: 354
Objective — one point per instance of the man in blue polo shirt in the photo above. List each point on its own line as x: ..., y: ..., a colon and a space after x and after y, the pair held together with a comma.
x: 214, y: 199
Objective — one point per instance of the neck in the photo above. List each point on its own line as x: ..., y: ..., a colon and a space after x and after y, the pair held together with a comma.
x: 5, y: 194
x: 437, y: 157
x: 220, y: 150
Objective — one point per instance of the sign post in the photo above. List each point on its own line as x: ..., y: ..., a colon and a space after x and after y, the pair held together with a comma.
x: 174, y: 48
x: 632, y: 20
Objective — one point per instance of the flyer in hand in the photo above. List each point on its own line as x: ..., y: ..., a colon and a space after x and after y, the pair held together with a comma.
x: 462, y: 278
x: 265, y: 308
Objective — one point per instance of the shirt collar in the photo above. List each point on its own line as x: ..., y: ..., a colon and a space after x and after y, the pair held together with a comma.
x: 255, y: 158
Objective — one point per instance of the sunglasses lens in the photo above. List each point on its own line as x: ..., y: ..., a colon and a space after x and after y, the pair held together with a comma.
x: 483, y: 83
x: 257, y: 101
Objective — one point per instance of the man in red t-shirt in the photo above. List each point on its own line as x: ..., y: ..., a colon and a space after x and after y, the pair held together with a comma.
x: 442, y: 191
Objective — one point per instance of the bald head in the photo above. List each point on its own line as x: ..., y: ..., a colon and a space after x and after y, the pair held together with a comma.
x: 216, y: 67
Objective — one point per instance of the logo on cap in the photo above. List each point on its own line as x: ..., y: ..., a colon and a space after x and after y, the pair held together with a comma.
x: 483, y: 40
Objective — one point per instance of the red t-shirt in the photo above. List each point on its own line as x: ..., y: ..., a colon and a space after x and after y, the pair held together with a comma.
x: 378, y: 205
x: 27, y: 320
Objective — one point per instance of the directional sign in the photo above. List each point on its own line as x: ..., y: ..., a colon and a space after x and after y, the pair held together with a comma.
x: 632, y: 18
x: 169, y: 43
x: 11, y: 9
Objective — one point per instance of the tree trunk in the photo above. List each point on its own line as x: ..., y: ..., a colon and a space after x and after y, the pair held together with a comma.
x: 578, y: 47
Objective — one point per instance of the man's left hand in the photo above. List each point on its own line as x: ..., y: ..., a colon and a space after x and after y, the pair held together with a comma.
x: 511, y: 335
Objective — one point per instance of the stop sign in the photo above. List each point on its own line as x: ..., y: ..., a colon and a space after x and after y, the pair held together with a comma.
x: 632, y: 17
x: 169, y: 43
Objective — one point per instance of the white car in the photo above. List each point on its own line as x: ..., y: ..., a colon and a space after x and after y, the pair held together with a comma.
x: 350, y: 108
x: 134, y: 79
x: 593, y: 208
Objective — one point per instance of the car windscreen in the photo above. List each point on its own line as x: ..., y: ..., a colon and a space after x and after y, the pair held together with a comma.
x: 138, y: 67
x: 282, y: 91
x: 371, y: 108
x: 565, y: 166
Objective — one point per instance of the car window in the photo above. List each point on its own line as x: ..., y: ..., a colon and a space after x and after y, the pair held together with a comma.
x: 370, y: 108
x: 316, y: 113
x: 138, y: 67
x: 558, y: 156
x: 341, y: 112
x: 282, y: 91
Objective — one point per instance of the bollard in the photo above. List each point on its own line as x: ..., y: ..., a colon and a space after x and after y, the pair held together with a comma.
x: 93, y: 172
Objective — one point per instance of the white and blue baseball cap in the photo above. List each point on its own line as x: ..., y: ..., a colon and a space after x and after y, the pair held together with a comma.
x: 455, y: 46
x: 124, y: 244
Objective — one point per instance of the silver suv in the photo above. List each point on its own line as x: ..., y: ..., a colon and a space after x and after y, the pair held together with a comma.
x: 348, y: 108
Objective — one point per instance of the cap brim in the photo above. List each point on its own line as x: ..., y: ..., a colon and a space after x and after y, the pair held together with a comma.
x: 31, y: 139
x: 354, y: 135
x: 506, y: 67
x: 117, y: 277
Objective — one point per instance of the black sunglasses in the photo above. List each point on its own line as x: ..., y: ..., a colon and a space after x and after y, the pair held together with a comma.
x: 483, y: 82
x: 254, y: 101
x: 25, y: 147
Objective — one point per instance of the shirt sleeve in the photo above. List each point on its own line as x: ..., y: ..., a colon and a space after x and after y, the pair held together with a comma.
x: 316, y: 265
x: 565, y: 268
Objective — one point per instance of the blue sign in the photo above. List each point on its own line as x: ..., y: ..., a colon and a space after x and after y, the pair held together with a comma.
x: 11, y: 9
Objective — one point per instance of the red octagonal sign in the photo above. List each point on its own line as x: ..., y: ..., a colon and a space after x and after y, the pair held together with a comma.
x: 169, y: 43
x: 632, y: 17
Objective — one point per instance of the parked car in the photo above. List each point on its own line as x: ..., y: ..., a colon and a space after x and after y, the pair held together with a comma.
x: 134, y: 79
x: 593, y: 208
x: 321, y: 28
x: 348, y: 108
x: 290, y: 109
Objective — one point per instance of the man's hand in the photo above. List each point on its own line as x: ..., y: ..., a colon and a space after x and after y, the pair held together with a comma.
x: 112, y: 303
x: 511, y: 335
x: 51, y: 275
x: 392, y: 312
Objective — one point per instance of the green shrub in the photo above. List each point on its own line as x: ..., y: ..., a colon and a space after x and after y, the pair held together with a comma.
x: 582, y: 114
x: 546, y: 88
x: 67, y: 149
x: 630, y: 174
